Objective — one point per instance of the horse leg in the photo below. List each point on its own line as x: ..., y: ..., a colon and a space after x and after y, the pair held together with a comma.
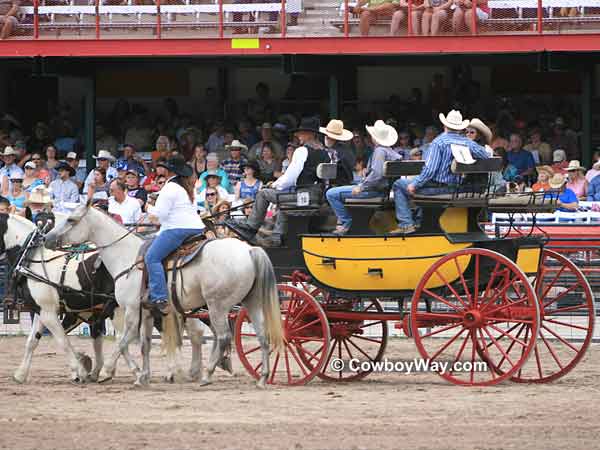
x: 256, y: 316
x: 195, y: 331
x: 98, y: 330
x: 129, y: 334
x: 220, y: 354
x: 146, y: 338
x: 50, y: 320
x: 33, y: 340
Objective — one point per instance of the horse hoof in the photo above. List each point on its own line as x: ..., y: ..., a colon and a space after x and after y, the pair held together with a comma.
x: 169, y: 379
x: 225, y: 364
x: 105, y: 380
x: 262, y: 383
x: 18, y: 380
x: 92, y: 378
x: 205, y: 382
x: 78, y: 381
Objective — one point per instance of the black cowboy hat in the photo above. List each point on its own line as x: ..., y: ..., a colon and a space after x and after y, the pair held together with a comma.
x: 65, y: 166
x: 254, y: 166
x: 177, y: 166
x: 308, y: 124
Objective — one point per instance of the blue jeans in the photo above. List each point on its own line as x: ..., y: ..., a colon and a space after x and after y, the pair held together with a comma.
x: 337, y: 195
x: 163, y: 244
x: 402, y: 199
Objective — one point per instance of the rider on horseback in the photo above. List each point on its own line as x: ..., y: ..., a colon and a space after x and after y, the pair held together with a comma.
x: 175, y: 209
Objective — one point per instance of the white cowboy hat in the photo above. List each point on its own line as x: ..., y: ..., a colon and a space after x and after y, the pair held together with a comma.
x: 8, y: 151
x: 335, y: 130
x: 104, y: 154
x: 39, y: 195
x: 482, y: 128
x: 575, y: 165
x: 557, y: 181
x: 236, y: 144
x: 454, y: 120
x: 383, y: 134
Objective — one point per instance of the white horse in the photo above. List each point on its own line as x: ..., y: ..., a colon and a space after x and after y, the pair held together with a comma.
x: 226, y: 273
x: 14, y: 232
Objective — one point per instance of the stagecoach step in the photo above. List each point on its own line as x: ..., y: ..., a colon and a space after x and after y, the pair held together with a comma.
x: 464, y: 238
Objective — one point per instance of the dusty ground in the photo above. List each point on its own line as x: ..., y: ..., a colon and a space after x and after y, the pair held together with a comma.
x: 384, y: 411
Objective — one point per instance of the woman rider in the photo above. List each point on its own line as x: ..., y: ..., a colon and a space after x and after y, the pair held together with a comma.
x: 175, y: 209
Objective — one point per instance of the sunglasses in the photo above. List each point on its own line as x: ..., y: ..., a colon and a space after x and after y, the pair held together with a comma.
x: 210, y: 194
x: 471, y: 131
x: 16, y: 181
x: 36, y: 159
x: 161, y: 182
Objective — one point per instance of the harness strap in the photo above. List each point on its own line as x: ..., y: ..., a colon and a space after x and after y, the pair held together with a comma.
x: 174, y: 295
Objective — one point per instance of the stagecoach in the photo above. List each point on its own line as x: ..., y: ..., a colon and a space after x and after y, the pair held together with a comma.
x: 469, y: 299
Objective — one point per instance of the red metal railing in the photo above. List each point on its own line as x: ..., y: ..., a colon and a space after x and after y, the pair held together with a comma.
x: 195, y: 20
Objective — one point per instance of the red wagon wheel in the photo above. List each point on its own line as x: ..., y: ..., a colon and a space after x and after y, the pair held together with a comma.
x: 358, y: 339
x: 465, y: 301
x: 306, y: 337
x: 567, y: 321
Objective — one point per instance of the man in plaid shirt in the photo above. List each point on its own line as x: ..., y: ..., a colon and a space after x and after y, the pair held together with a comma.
x: 233, y: 165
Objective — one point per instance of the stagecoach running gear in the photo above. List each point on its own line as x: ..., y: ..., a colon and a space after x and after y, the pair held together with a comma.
x: 436, y: 177
x: 178, y: 221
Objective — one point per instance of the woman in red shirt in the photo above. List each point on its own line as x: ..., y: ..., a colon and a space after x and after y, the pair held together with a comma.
x: 463, y: 14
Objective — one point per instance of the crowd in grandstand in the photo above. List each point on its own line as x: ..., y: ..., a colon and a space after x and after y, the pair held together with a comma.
x: 235, y: 159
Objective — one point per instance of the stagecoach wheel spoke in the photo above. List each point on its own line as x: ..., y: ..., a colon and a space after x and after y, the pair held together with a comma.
x: 477, y: 336
x: 567, y: 320
x: 306, y: 332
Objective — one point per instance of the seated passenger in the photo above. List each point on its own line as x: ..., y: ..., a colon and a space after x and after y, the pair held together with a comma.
x: 374, y: 184
x: 436, y: 176
x: 567, y: 199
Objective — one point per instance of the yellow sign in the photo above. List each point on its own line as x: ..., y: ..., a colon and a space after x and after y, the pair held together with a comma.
x: 245, y: 43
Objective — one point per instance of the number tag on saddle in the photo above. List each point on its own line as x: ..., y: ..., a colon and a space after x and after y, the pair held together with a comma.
x: 302, y: 199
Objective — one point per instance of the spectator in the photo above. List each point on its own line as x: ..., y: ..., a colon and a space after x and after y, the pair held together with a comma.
x: 431, y: 133
x: 400, y: 15
x: 149, y: 183
x: 537, y: 147
x: 233, y: 165
x: 358, y: 174
x: 63, y: 190
x: 289, y: 152
x: 73, y: 160
x: 403, y: 146
x: 509, y: 172
x: 576, y: 179
x: 377, y: 9
x: 221, y: 212
x: 21, y: 151
x: 521, y: 159
x: 566, y: 198
x: 162, y: 150
x: 213, y: 180
x: 40, y: 139
x: 10, y: 169
x: 139, y: 135
x: 216, y: 138
x: 40, y: 168
x: 595, y: 170
x: 560, y: 140
x: 269, y: 165
x: 4, y: 205
x: 187, y: 142
x: 434, y: 14
x: 260, y: 106
x: 51, y: 157
x: 31, y: 180
x: 246, y: 134
x: 247, y: 208
x: 266, y: 133
x: 462, y: 16
x: 39, y: 201
x: 8, y: 17
x: 122, y: 205
x: 132, y: 160
x: 249, y: 185
x: 212, y: 163
x: 17, y: 195
x: 106, y: 141
x: 559, y: 159
x: 103, y: 160
x: 65, y: 141
x: 359, y: 145
x: 211, y: 198
x: 198, y: 161
x: 593, y: 194
x: 132, y: 181
x: 479, y: 132
x: 98, y: 189
x: 545, y: 173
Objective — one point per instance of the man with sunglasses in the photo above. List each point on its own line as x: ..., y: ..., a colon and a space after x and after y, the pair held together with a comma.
x: 10, y: 169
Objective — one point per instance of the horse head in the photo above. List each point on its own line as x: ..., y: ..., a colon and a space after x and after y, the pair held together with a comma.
x: 71, y: 230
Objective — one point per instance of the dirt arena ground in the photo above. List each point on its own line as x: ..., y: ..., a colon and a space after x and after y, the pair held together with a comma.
x: 382, y: 412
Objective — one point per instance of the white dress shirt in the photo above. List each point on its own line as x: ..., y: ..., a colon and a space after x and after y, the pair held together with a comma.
x: 174, y: 208
x: 129, y: 210
x: 289, y: 178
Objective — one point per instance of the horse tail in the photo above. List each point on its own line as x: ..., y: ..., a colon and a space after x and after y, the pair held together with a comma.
x: 172, y: 338
x: 265, y: 289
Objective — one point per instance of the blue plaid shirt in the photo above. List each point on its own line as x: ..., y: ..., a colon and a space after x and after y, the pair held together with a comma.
x: 234, y: 169
x: 439, y: 159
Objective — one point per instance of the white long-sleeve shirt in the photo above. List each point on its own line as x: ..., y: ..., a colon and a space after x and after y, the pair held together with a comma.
x: 289, y: 178
x: 174, y: 209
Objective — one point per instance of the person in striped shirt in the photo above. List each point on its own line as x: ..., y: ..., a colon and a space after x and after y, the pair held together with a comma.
x: 436, y: 177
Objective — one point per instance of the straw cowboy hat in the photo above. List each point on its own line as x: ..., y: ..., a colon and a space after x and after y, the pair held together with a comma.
x: 557, y: 181
x: 545, y: 169
x: 575, y: 165
x: 40, y: 196
x: 482, y: 128
x: 236, y: 144
x: 104, y: 154
x: 8, y: 151
x: 335, y: 130
x: 382, y: 133
x: 454, y: 120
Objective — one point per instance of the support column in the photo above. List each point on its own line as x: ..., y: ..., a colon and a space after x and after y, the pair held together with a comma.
x: 89, y: 120
x: 587, y: 93
x: 334, y: 96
